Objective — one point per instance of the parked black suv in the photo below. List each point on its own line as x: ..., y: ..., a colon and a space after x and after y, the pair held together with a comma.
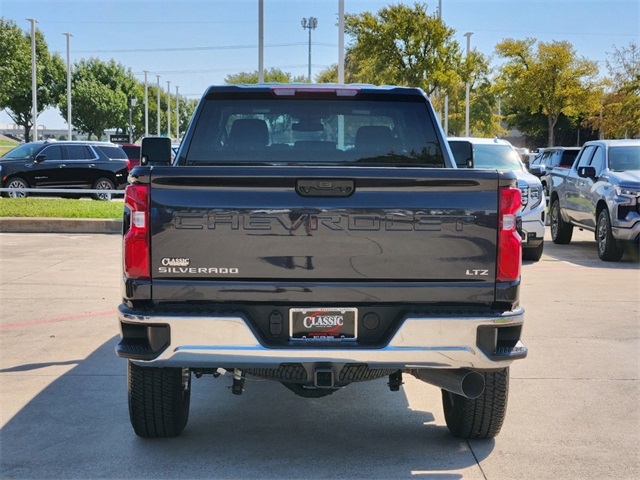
x: 554, y: 157
x: 64, y: 165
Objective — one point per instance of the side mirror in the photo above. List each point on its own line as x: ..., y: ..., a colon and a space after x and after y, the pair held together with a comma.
x: 40, y: 158
x: 155, y: 151
x: 462, y: 153
x: 587, y: 172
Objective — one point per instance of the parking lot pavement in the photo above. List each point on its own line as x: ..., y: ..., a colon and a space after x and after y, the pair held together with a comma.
x: 573, y: 407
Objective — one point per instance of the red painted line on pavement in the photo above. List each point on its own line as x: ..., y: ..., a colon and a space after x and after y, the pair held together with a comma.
x: 59, y: 319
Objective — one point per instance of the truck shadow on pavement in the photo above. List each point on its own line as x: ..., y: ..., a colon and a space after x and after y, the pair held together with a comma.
x: 78, y: 427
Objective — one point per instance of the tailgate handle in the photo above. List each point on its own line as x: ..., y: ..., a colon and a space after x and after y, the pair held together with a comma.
x: 325, y: 187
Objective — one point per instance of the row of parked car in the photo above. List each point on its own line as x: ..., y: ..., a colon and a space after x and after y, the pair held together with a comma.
x: 499, y: 154
x: 594, y: 188
x: 68, y: 165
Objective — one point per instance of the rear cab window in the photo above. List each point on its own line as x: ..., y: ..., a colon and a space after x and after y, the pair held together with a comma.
x: 259, y: 127
x: 568, y: 158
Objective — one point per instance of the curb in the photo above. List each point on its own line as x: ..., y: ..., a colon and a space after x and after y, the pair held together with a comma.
x: 60, y: 225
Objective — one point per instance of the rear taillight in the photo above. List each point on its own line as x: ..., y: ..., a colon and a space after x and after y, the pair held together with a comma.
x: 136, y: 237
x: 128, y: 165
x: 509, y: 241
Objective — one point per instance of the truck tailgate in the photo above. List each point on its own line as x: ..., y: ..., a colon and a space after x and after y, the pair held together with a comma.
x: 226, y: 224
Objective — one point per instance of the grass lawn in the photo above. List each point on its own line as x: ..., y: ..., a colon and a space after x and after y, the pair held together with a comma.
x: 6, y: 145
x: 59, y: 208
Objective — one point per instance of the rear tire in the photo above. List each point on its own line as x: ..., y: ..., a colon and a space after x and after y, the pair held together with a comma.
x: 16, y: 182
x: 159, y: 400
x: 482, y: 417
x: 103, y: 184
x: 561, y: 232
x: 533, y: 254
x: 609, y: 249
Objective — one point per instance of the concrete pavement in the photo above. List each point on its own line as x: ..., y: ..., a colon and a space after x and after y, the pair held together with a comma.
x: 573, y: 408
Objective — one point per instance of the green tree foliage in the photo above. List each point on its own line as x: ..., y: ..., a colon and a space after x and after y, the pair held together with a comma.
x: 484, y: 120
x: 104, y: 76
x: 403, y: 45
x: 275, y: 75
x: 621, y: 103
x: 330, y: 74
x: 187, y: 107
x: 15, y: 74
x: 567, y: 132
x: 95, y: 105
x: 551, y: 79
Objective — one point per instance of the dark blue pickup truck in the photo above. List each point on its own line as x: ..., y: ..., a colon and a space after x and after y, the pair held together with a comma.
x: 318, y: 236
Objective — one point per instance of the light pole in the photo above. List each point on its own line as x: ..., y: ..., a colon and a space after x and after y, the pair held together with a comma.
x: 466, y: 118
x: 132, y: 103
x: 177, y: 115
x: 311, y: 23
x: 168, y: 109
x: 34, y: 82
x: 260, y: 41
x: 69, y: 137
x: 146, y: 104
x: 341, y: 43
x: 158, y: 77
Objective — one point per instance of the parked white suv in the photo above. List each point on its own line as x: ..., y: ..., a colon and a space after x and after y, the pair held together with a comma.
x: 499, y: 154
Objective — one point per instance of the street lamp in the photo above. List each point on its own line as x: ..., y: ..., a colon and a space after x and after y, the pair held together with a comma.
x: 341, y: 43
x: 311, y: 23
x: 34, y: 82
x: 466, y: 118
x: 158, y: 77
x: 132, y: 103
x: 146, y: 104
x: 260, y: 41
x: 177, y: 115
x: 168, y: 109
x: 69, y: 137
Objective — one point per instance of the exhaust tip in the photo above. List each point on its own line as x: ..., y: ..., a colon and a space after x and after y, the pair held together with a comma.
x: 473, y: 385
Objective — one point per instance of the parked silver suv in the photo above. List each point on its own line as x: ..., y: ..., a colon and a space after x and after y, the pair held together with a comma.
x: 501, y: 155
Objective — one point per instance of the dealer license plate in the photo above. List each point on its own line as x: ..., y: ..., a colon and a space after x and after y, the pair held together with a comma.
x: 323, y: 324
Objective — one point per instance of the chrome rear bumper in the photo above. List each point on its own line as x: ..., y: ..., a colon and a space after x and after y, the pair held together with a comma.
x: 228, y: 342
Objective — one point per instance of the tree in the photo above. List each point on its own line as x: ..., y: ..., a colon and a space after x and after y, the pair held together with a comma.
x: 552, y: 80
x: 15, y: 74
x: 187, y: 107
x: 330, y: 74
x: 620, y: 116
x: 401, y: 45
x: 275, y: 75
x: 95, y: 105
x: 484, y: 120
x: 123, y: 86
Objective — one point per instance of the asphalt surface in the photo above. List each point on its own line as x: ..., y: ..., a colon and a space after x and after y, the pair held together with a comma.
x: 573, y: 408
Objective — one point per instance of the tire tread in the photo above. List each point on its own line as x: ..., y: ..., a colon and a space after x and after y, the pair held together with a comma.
x: 482, y: 417
x: 158, y: 406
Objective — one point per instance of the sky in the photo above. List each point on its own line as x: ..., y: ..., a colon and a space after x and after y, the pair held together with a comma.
x: 197, y: 43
